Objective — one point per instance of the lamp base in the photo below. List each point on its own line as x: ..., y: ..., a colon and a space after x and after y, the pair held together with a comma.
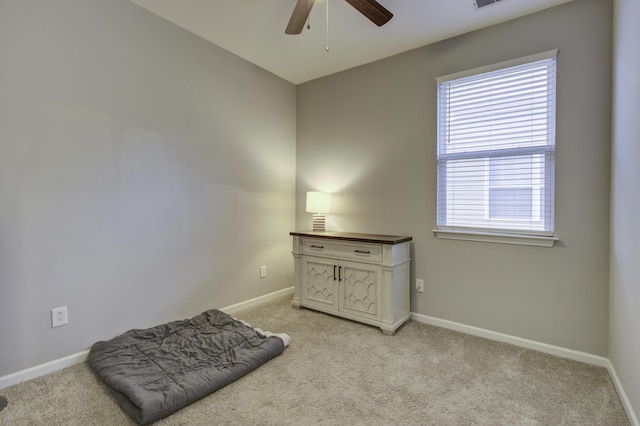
x: 318, y: 222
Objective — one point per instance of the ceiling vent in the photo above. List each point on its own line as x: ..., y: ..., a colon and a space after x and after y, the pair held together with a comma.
x: 483, y: 3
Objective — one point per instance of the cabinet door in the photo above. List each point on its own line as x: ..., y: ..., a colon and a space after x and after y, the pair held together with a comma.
x: 320, y: 286
x: 360, y: 290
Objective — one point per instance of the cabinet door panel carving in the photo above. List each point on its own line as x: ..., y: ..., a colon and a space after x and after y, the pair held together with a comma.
x: 321, y: 287
x: 360, y: 290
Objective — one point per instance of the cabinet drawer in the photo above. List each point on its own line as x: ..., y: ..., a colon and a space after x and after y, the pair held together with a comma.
x: 346, y: 250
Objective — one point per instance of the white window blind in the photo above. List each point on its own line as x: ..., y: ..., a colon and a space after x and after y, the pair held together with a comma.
x: 496, y: 147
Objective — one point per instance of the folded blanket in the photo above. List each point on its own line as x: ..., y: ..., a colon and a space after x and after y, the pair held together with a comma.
x: 157, y: 371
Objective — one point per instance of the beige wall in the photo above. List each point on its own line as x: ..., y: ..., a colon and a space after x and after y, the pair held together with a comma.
x: 624, y: 332
x: 145, y: 175
x: 369, y: 135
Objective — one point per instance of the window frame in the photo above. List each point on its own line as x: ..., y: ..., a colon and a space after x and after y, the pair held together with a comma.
x: 496, y: 235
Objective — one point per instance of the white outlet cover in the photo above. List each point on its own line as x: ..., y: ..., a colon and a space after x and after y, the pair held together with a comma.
x: 59, y: 317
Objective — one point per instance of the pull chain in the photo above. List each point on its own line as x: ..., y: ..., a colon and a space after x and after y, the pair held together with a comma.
x: 326, y: 49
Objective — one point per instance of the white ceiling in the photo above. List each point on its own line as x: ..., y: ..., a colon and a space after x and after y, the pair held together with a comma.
x: 254, y: 29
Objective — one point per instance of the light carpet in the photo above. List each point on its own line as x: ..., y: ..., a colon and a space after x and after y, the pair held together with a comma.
x: 338, y: 372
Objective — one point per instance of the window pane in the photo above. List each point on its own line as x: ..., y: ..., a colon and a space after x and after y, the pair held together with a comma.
x: 510, y: 203
x: 465, y: 191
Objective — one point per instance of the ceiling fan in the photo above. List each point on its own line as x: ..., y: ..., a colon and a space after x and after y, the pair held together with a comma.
x: 371, y: 9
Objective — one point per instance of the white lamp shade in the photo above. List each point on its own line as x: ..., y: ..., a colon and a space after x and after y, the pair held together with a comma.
x: 318, y: 202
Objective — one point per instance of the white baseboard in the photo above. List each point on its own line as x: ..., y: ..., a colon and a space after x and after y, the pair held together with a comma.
x: 517, y: 341
x: 68, y: 361
x: 42, y: 369
x: 623, y: 395
x: 541, y: 347
x: 257, y: 301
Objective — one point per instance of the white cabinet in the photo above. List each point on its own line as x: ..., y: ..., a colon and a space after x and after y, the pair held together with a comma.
x: 362, y: 277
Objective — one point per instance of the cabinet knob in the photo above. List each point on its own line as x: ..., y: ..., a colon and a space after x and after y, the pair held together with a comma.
x: 362, y: 251
x: 317, y: 247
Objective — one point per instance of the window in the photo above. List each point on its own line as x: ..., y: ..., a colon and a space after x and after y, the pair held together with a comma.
x: 496, y: 150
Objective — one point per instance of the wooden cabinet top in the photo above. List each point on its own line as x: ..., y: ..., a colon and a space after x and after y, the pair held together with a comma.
x: 352, y: 236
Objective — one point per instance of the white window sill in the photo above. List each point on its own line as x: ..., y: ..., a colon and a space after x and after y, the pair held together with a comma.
x: 491, y: 237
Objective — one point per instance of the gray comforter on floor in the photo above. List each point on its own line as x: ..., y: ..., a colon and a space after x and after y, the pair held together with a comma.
x: 157, y: 371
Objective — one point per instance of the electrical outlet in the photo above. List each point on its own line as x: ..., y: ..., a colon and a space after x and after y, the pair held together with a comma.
x: 263, y: 271
x: 420, y: 286
x: 59, y: 317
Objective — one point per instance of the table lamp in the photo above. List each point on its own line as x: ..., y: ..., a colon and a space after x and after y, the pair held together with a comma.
x: 318, y: 203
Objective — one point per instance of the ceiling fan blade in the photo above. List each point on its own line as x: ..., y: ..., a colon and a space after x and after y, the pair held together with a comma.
x: 372, y: 10
x: 299, y: 16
